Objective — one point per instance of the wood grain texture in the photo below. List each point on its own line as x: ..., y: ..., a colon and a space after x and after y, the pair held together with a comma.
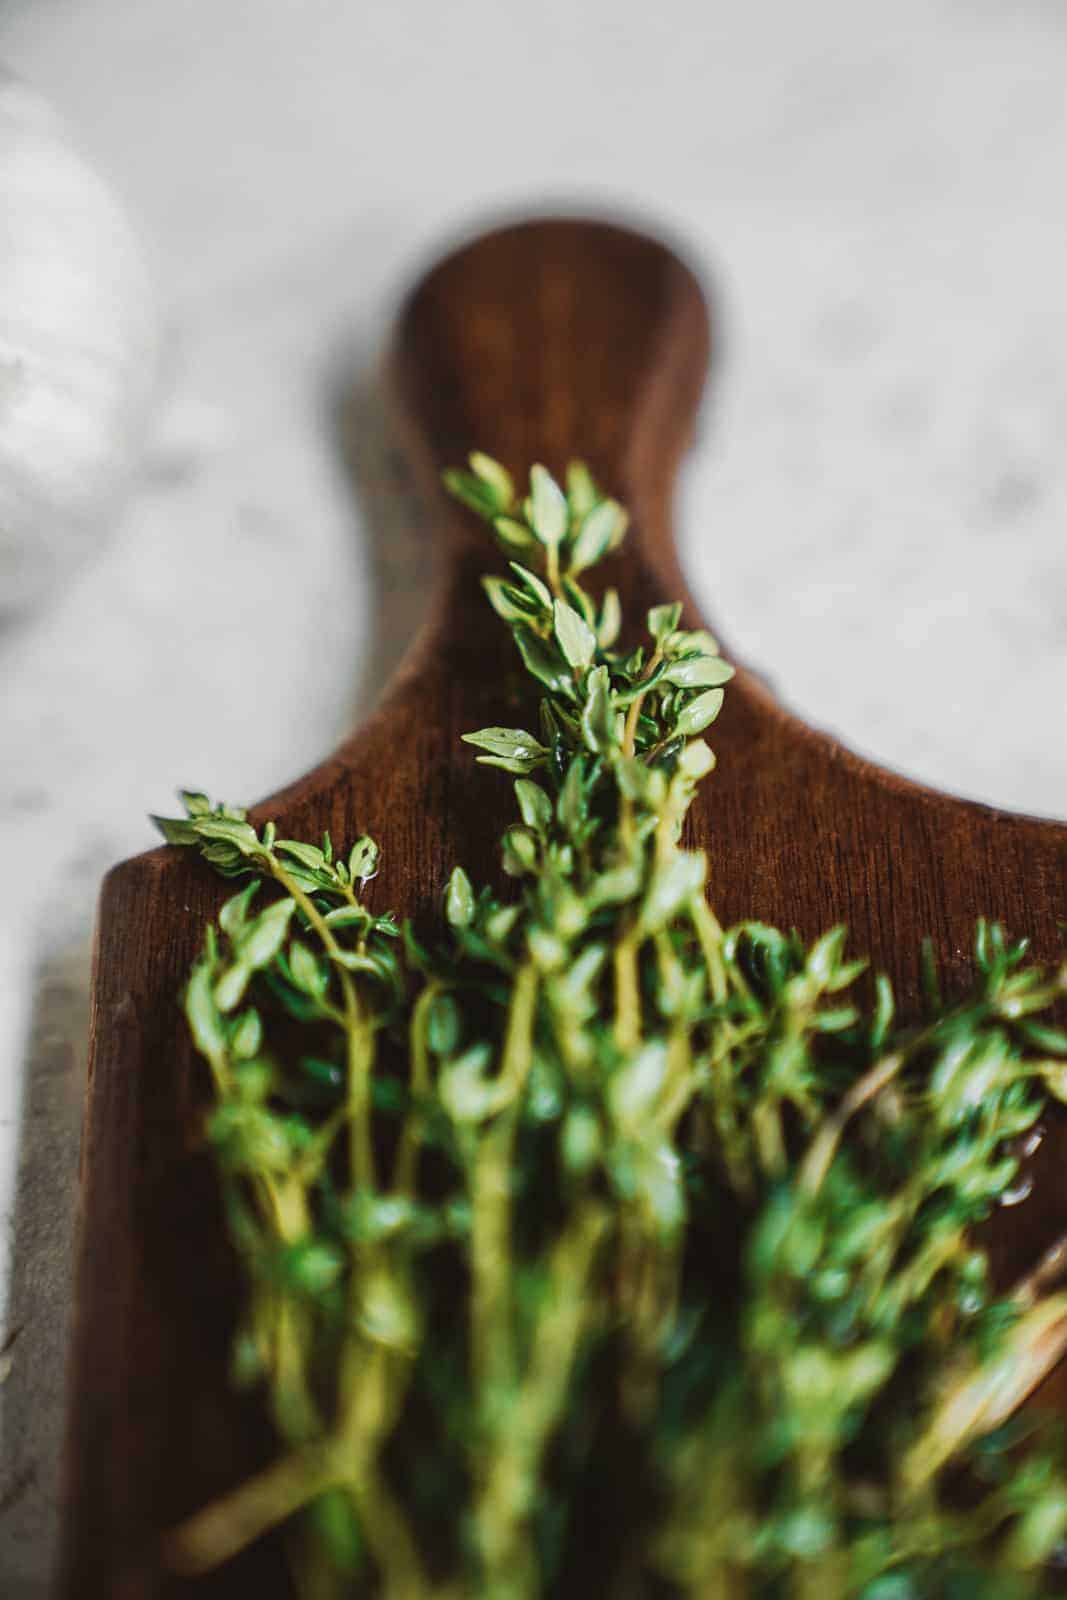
x: 535, y: 342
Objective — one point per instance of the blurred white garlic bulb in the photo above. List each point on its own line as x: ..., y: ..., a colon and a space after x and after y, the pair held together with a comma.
x: 77, y: 351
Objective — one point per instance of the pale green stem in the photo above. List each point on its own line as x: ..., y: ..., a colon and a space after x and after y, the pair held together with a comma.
x: 407, y: 1153
x: 709, y: 936
x: 295, y: 1411
x: 364, y: 1381
x: 389, y: 1538
x: 629, y: 737
x: 680, y: 1085
x: 627, y: 979
x: 823, y: 1147
x: 237, y: 1519
x: 510, y: 1473
x: 376, y: 1379
x: 627, y: 991
x: 770, y: 1142
x: 552, y: 570
x: 491, y: 1339
x: 359, y: 1039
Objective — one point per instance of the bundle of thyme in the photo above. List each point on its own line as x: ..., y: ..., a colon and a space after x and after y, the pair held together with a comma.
x: 596, y: 1248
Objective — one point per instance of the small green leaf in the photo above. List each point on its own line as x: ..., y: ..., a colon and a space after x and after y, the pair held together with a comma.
x: 373, y: 1216
x: 576, y: 640
x: 513, y: 749
x: 671, y: 885
x: 699, y: 713
x: 443, y: 1025
x: 601, y: 530
x: 311, y: 1266
x: 586, y: 968
x: 635, y: 780
x: 388, y: 1314
x: 227, y: 830
x: 175, y: 830
x: 500, y: 923
x: 532, y: 582
x: 307, y: 971
x: 846, y: 974
x: 459, y: 899
x: 884, y: 1008
x: 514, y: 536
x: 225, y: 858
x: 698, y: 641
x: 657, y: 1176
x: 637, y: 1084
x: 1050, y: 1041
x: 234, y: 913
x: 247, y: 1035
x: 544, y: 662
x: 202, y: 1014
x: 610, y: 620
x: 464, y: 1091
x: 580, y: 1141
x: 264, y: 937
x: 254, y: 1079
x: 571, y: 805
x: 249, y: 1138
x: 662, y: 621
x: 519, y: 852
x: 825, y: 955
x: 508, y: 602
x: 835, y: 1019
x: 363, y: 859
x: 548, y: 952
x: 696, y: 760
x: 547, y: 504
x: 327, y: 1076
x: 512, y: 764
x: 471, y: 492
x: 535, y: 806
x: 309, y: 855
x: 247, y: 1360
x: 615, y: 886
x: 577, y: 598
x: 230, y: 988
x: 598, y: 714
x: 495, y: 477
x: 699, y: 672
x: 582, y: 492
x: 375, y: 963
x: 195, y: 803
x: 348, y: 917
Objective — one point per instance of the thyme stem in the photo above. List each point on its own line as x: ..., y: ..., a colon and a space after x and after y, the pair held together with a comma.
x: 590, y: 1130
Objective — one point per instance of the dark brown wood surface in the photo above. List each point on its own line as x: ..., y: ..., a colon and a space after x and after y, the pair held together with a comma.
x: 535, y: 342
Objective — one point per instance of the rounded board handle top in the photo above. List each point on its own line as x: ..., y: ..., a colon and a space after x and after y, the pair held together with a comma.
x: 552, y: 339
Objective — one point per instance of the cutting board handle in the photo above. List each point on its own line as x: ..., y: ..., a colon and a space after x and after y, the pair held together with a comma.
x: 550, y: 340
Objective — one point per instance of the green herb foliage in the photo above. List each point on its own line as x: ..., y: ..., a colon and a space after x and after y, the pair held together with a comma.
x: 596, y: 1248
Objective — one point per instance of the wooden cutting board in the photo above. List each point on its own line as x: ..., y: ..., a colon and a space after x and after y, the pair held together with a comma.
x: 536, y: 342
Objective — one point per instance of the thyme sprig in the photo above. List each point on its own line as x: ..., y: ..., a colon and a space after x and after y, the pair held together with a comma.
x: 593, y: 1210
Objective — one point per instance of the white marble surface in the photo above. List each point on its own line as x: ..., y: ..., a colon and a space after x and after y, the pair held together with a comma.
x: 874, y: 514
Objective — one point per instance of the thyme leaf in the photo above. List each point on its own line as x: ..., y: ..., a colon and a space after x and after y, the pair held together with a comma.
x: 597, y: 1203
